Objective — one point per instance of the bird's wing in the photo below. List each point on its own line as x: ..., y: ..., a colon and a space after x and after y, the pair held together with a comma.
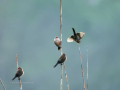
x: 70, y: 39
x: 80, y: 34
x: 17, y: 74
x: 59, y: 61
x: 60, y: 42
x: 20, y: 72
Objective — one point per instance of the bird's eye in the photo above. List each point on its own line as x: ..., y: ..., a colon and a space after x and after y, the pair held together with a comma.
x: 18, y: 68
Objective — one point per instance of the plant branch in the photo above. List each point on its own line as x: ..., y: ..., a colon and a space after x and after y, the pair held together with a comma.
x: 87, y: 67
x: 18, y: 77
x: 82, y: 69
x: 61, y: 35
x: 66, y: 77
x: 2, y: 84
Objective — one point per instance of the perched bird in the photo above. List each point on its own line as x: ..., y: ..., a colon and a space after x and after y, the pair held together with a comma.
x: 57, y: 42
x: 19, y: 73
x: 76, y: 36
x: 61, y: 59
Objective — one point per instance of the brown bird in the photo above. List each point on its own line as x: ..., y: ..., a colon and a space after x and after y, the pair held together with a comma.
x: 61, y: 59
x: 76, y: 37
x: 19, y: 73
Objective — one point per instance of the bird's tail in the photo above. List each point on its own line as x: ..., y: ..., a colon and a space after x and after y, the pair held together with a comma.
x: 55, y: 65
x: 14, y: 78
x: 59, y: 48
x: 73, y: 31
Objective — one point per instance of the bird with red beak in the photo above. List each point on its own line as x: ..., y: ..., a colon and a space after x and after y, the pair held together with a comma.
x: 19, y: 73
x: 61, y: 59
x: 57, y: 42
x: 75, y: 37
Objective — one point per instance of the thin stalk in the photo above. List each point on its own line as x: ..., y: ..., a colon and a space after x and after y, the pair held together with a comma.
x: 2, y: 84
x: 61, y: 35
x: 66, y: 77
x: 87, y: 67
x: 19, y: 77
x: 82, y: 69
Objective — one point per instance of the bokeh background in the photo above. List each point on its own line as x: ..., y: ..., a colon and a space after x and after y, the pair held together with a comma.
x: 28, y: 28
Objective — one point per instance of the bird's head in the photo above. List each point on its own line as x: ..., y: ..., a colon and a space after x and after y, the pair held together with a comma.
x: 78, y: 41
x: 19, y: 68
x: 64, y: 54
x: 56, y: 37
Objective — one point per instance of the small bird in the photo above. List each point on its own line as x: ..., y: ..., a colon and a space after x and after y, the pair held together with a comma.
x: 61, y: 59
x: 57, y: 42
x: 19, y: 73
x: 76, y: 37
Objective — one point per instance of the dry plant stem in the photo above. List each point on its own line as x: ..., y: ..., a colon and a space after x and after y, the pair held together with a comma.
x: 66, y: 77
x: 18, y: 78
x: 82, y: 69
x: 61, y: 35
x: 61, y: 76
x: 16, y: 62
x: 61, y: 44
x: 87, y: 67
x: 20, y: 83
x: 2, y: 84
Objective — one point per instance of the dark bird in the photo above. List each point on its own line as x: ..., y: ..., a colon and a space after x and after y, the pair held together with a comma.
x: 19, y: 73
x: 76, y: 36
x: 61, y: 59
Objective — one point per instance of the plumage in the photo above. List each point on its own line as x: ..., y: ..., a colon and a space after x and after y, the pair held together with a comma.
x: 76, y: 36
x: 61, y: 59
x: 57, y: 42
x: 19, y: 73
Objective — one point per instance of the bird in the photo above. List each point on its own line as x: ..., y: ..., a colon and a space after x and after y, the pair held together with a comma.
x: 57, y: 42
x: 61, y: 59
x: 75, y: 37
x: 19, y: 73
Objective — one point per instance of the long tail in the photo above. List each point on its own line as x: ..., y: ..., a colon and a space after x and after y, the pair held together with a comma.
x: 14, y: 78
x: 74, y: 31
x: 59, y: 48
x: 55, y: 65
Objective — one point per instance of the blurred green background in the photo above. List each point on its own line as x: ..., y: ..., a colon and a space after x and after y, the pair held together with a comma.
x: 28, y: 28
